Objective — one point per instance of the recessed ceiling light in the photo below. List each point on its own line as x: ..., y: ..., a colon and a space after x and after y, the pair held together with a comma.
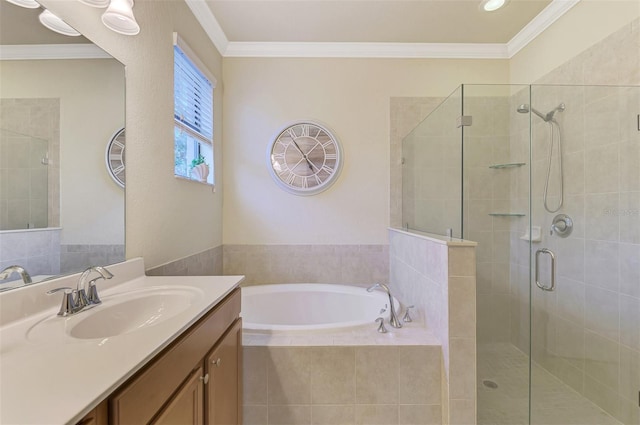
x: 491, y: 5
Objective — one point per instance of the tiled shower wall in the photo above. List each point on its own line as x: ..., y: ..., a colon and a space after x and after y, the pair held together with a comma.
x: 24, y: 181
x: 405, y: 114
x: 587, y: 332
x: 38, y: 118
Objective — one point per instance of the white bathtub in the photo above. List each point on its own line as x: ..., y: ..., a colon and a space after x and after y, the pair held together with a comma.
x: 311, y: 306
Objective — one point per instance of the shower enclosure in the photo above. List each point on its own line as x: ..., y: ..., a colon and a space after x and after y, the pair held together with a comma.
x: 547, y: 180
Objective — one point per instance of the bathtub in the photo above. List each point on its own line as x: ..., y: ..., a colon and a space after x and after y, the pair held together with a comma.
x: 311, y: 306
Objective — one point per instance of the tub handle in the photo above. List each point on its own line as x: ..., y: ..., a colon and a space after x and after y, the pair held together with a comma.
x: 407, y: 318
x: 381, y: 328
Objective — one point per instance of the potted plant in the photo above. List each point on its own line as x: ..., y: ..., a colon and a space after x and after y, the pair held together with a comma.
x: 200, y: 169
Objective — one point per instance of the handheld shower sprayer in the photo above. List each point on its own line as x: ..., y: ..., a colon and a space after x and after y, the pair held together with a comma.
x: 525, y: 109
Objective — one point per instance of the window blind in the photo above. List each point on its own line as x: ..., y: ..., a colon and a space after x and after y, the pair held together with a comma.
x: 193, y: 98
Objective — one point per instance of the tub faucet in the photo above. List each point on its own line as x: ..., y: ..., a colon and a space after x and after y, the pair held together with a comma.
x: 4, y: 274
x: 393, y: 319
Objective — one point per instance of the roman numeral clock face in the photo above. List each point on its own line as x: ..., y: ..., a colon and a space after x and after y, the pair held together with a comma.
x: 305, y: 158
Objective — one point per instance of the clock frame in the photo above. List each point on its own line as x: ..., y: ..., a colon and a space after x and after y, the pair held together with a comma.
x: 114, y: 157
x: 305, y: 158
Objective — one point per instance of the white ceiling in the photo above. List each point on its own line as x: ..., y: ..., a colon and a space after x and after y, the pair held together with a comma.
x: 374, y: 28
x: 377, y: 21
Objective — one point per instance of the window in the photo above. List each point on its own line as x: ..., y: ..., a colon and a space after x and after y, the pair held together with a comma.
x: 193, y: 114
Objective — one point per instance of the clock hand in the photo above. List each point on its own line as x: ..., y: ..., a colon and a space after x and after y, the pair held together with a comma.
x: 303, y: 155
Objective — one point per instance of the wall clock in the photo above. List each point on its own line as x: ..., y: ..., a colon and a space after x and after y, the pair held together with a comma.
x: 115, y: 157
x: 305, y: 158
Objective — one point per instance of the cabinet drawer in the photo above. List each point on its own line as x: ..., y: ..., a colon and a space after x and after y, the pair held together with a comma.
x: 138, y: 400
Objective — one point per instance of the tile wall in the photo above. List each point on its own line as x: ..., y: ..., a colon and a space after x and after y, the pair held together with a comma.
x: 75, y: 258
x: 348, y: 385
x: 439, y: 277
x: 347, y: 264
x: 205, y: 263
x: 38, y: 118
x: 38, y: 251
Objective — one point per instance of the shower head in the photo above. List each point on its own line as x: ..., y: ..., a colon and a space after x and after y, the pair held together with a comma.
x: 525, y: 109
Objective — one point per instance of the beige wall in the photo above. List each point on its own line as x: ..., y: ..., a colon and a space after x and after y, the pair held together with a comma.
x: 166, y: 218
x: 91, y: 204
x: 351, y: 96
x: 584, y: 25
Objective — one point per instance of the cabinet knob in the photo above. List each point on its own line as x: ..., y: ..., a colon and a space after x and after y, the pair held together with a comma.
x: 205, y: 379
x: 217, y: 362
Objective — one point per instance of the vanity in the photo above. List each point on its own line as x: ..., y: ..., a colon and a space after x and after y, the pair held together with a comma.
x: 161, y: 350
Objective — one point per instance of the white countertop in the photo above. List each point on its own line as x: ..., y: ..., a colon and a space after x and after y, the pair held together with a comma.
x: 57, y: 379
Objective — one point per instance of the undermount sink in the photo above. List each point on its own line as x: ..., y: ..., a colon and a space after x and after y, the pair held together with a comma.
x: 120, y: 314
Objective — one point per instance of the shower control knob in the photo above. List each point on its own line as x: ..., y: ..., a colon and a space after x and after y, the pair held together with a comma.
x: 562, y: 225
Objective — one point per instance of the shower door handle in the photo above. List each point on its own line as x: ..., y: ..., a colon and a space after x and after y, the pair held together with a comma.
x: 553, y: 269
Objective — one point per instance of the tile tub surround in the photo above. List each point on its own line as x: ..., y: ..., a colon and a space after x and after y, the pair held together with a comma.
x: 344, y: 264
x: 348, y: 377
x: 205, y: 263
x: 438, y: 276
x: 37, y: 250
x: 74, y: 258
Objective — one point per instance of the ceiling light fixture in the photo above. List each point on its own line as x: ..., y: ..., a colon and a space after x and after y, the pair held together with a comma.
x: 29, y: 4
x: 119, y: 17
x: 54, y: 23
x: 492, y: 5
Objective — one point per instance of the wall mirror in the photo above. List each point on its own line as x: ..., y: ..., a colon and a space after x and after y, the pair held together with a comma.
x: 62, y: 101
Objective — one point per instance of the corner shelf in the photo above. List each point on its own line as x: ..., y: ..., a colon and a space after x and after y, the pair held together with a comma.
x: 510, y: 165
x: 507, y: 214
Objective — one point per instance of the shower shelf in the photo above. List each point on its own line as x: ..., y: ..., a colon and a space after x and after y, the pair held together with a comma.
x: 511, y: 165
x: 507, y: 215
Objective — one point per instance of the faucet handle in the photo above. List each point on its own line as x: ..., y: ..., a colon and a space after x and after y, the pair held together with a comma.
x: 407, y: 318
x: 92, y: 296
x: 68, y: 305
x: 381, y: 328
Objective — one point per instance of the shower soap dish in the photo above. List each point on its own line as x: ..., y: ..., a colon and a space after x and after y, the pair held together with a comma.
x: 536, y: 234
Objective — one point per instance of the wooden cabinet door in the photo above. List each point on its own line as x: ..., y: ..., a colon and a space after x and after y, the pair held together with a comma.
x: 185, y: 407
x: 223, y: 399
x: 98, y: 416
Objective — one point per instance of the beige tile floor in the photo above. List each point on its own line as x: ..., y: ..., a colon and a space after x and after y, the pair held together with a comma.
x: 553, y: 402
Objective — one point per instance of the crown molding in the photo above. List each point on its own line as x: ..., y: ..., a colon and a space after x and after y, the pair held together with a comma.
x: 367, y: 50
x: 541, y: 22
x: 52, y: 51
x: 237, y: 49
x: 210, y: 24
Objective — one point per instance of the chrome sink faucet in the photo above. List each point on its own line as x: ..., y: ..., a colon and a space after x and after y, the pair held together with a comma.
x: 393, y: 319
x: 75, y: 300
x: 88, y: 295
x: 4, y: 274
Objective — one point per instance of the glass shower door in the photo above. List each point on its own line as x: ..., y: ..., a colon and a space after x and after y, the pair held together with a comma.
x: 585, y: 287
